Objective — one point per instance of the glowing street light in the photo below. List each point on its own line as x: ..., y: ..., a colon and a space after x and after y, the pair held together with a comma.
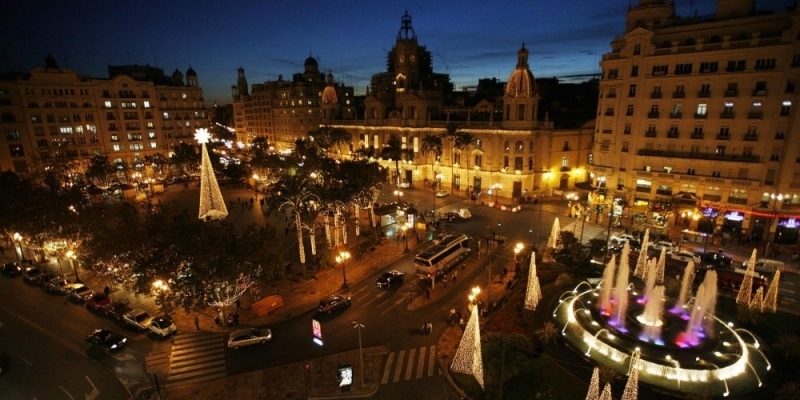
x: 341, y: 259
x: 496, y: 188
x: 473, y: 296
x: 518, y: 248
x: 436, y: 182
x: 72, y: 256
x: 161, y: 288
x: 18, y: 238
x: 398, y: 194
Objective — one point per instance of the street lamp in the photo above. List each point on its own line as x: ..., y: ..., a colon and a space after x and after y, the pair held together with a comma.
x: 775, y: 198
x: 359, y: 326
x: 496, y: 188
x: 404, y: 228
x: 72, y: 256
x: 18, y: 238
x: 473, y: 296
x: 436, y: 179
x: 517, y: 249
x: 341, y: 259
x: 161, y: 288
x: 398, y: 194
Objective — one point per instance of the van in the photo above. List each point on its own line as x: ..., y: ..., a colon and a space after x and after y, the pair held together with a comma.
x: 768, y: 266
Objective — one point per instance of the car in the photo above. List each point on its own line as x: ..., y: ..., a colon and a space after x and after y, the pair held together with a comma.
x: 77, y: 291
x: 58, y: 285
x: 106, y: 339
x: 716, y: 260
x: 389, y: 279
x: 333, y: 303
x: 45, y: 278
x: 464, y: 213
x: 623, y: 238
x: 450, y: 217
x: 139, y: 319
x: 96, y: 301
x: 163, y: 326
x: 247, y: 337
x: 657, y: 246
x: 404, y: 185
x: 685, y: 256
x: 11, y: 269
x: 31, y: 274
x: 116, y: 310
x: 442, y: 193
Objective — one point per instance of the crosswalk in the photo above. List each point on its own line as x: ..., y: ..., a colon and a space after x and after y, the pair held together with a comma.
x: 585, y: 230
x: 196, y: 358
x: 410, y: 364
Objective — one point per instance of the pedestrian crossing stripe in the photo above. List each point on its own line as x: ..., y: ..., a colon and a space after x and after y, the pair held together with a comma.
x: 196, y: 358
x: 399, y: 366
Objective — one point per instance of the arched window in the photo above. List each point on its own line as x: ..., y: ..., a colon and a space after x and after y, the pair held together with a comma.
x: 519, y: 146
x: 506, y: 146
x: 530, y: 163
x: 637, y: 49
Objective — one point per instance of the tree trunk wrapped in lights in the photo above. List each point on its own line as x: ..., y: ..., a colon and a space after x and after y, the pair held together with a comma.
x: 327, y: 223
x: 212, y: 204
x: 468, y: 358
x: 594, y: 386
x: 358, y: 221
x: 746, y: 290
x: 534, y: 292
x: 771, y: 299
x: 641, y: 262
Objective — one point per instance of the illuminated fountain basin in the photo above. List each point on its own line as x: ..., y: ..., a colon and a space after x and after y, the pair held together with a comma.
x: 726, y: 362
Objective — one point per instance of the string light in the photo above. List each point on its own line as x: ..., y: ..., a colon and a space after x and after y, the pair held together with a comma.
x: 771, y: 299
x: 594, y: 386
x: 757, y: 302
x: 641, y: 262
x: 631, y: 391
x: 606, y: 395
x: 212, y: 204
x: 468, y: 358
x: 662, y: 261
x: 534, y: 292
x: 746, y: 290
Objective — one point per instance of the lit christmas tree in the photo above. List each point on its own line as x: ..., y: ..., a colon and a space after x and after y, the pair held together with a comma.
x: 468, y: 358
x: 554, y: 241
x: 212, y: 204
x: 757, y: 302
x: 662, y: 261
x: 631, y: 391
x: 594, y: 386
x: 534, y: 293
x: 641, y: 262
x: 746, y: 290
x: 606, y: 395
x: 771, y: 299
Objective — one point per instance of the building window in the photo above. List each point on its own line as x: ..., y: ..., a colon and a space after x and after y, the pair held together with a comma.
x: 705, y: 90
x: 610, y: 111
x: 683, y: 69
x: 786, y: 108
x: 709, y: 67
x: 564, y: 162
x: 795, y: 61
x: 627, y: 130
x: 478, y: 160
x: 660, y: 70
x: 736, y: 65
x: 612, y: 92
x: 613, y: 73
x: 637, y: 49
x: 702, y: 109
x: 629, y: 111
x: 632, y: 91
x: 765, y: 63
x: 635, y: 71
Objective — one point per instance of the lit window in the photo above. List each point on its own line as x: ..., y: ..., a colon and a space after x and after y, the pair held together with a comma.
x: 183, y: 95
x: 116, y: 147
x: 153, y: 145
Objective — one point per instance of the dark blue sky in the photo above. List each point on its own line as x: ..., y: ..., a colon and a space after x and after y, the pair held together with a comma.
x: 469, y: 39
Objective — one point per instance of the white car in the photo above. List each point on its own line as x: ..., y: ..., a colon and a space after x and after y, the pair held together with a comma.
x: 623, y: 238
x: 685, y: 256
x: 441, y: 193
x: 464, y: 213
x: 163, y: 327
x: 247, y: 337
x: 657, y: 246
x: 139, y: 319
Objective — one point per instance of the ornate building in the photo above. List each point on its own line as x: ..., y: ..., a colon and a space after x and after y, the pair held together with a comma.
x: 54, y: 116
x: 283, y: 110
x: 697, y: 124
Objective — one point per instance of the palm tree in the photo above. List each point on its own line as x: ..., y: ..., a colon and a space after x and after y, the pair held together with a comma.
x: 393, y: 149
x: 464, y: 141
x: 431, y: 144
x: 451, y: 134
x: 296, y: 191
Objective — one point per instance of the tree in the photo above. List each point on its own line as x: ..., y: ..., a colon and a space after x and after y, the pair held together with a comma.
x: 394, y: 149
x: 465, y: 141
x: 451, y: 134
x: 325, y: 138
x: 431, y: 145
x: 158, y: 165
x: 100, y: 172
x: 185, y: 158
x: 295, y: 192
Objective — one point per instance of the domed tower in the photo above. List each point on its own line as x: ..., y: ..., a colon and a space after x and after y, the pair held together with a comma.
x: 311, y: 66
x: 50, y: 63
x: 177, y: 78
x: 191, y: 77
x: 241, y: 83
x: 521, y: 98
x: 330, y: 100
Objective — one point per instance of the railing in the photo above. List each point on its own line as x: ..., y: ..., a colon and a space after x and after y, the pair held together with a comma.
x: 723, y: 137
x: 703, y: 94
x: 672, y: 135
x: 695, y: 155
x: 700, y: 116
x: 653, y: 114
x: 727, y: 115
x: 678, y: 95
x: 755, y: 115
x: 750, y: 138
x: 676, y: 115
x: 731, y: 93
x: 655, y: 95
x: 760, y: 92
x: 696, y: 136
x: 737, y: 200
x: 650, y: 134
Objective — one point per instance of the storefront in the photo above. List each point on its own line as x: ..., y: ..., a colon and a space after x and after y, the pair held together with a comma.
x: 787, y: 230
x: 708, y: 220
x: 732, y: 222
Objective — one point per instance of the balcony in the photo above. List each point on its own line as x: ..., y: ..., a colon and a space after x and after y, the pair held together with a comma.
x: 755, y: 115
x: 727, y: 115
x: 779, y: 136
x: 611, y: 95
x: 676, y: 115
x: 750, y: 138
x: 653, y: 114
x: 643, y: 189
x: 696, y: 135
x: 672, y: 135
x: 678, y: 95
x: 650, y: 134
x: 703, y: 94
x: 700, y: 116
x: 655, y: 95
x: 759, y: 92
x: 749, y: 158
x: 609, y: 114
x: 731, y: 93
x: 724, y: 137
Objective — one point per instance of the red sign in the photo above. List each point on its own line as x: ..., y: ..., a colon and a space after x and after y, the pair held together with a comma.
x: 316, y: 329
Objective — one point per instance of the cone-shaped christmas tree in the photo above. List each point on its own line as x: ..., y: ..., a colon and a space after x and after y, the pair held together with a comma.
x: 662, y: 262
x: 631, y: 391
x: 606, y: 395
x: 594, y: 386
x: 212, y: 204
x: 554, y: 241
x: 641, y: 262
x: 534, y: 293
x: 771, y: 299
x: 757, y: 302
x: 468, y: 358
x: 746, y: 290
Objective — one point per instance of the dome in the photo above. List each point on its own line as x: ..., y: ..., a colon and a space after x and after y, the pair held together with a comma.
x: 521, y: 82
x: 177, y: 72
x: 310, y: 62
x: 190, y: 72
x: 329, y: 95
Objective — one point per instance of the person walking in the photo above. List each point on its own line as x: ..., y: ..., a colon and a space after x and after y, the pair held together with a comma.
x: 444, y: 281
x: 452, y: 315
x: 455, y: 276
x: 197, y: 322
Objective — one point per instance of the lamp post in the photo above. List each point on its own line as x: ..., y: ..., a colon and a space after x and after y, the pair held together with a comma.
x: 161, y: 288
x: 404, y: 228
x: 18, y: 238
x: 436, y: 179
x: 517, y: 249
x: 398, y: 194
x: 341, y: 259
x: 72, y: 256
x: 473, y: 296
x: 775, y: 199
x: 610, y: 218
x: 496, y: 188
x: 359, y: 326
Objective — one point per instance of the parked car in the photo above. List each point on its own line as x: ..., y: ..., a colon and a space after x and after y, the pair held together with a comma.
x: 11, y: 269
x: 450, y: 217
x: 685, y: 256
x: 163, y: 327
x: 389, y: 279
x: 96, y: 301
x: 333, y: 303
x: 442, y: 193
x: 45, y: 278
x: 77, y: 291
x: 115, y: 311
x: 31, y: 274
x: 247, y: 337
x: 623, y: 238
x: 58, y: 285
x: 767, y: 266
x: 464, y: 213
x: 138, y: 319
x: 106, y: 339
x: 715, y: 260
x: 657, y: 246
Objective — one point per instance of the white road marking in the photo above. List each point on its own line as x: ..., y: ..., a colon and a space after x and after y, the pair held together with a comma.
x: 123, y: 357
x: 396, y: 303
x: 95, y: 392
x: 377, y: 296
x: 26, y: 361
x: 410, y: 364
x: 399, y: 368
x: 388, y: 369
x: 431, y: 359
x: 66, y: 392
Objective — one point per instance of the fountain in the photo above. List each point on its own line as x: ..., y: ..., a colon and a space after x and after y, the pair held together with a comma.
x: 689, y: 349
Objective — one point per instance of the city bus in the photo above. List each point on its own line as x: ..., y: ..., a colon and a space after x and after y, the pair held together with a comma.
x: 442, y: 257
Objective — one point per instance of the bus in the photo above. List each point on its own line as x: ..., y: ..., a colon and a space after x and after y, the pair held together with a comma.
x: 442, y: 257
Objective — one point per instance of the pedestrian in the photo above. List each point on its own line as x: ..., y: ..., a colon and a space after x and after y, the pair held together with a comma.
x: 455, y: 276
x: 444, y: 281
x: 238, y: 305
x: 430, y: 327
x: 505, y: 271
x: 428, y: 293
x: 197, y: 322
x: 452, y: 315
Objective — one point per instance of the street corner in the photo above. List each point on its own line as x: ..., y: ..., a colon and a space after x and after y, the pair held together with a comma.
x: 339, y: 376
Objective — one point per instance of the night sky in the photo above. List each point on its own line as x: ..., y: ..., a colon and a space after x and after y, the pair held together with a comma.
x: 468, y: 39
